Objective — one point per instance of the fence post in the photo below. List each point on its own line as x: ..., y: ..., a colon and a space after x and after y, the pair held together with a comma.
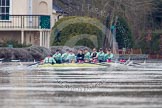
x: 140, y: 51
x: 131, y: 51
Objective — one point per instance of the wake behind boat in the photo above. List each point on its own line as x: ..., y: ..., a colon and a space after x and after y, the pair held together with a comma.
x: 113, y: 66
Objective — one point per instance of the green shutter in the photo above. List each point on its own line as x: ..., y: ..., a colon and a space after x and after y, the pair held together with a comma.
x: 45, y: 22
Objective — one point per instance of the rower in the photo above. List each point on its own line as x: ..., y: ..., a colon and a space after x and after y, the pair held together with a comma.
x: 65, y: 56
x: 94, y: 56
x: 101, y: 55
x: 71, y: 57
x: 80, y: 56
x: 57, y: 57
x: 49, y: 60
x: 108, y: 56
x: 87, y: 56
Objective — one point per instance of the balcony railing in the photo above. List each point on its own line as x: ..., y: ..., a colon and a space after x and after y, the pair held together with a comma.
x: 25, y: 22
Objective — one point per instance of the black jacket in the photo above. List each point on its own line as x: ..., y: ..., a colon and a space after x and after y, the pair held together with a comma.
x: 80, y: 56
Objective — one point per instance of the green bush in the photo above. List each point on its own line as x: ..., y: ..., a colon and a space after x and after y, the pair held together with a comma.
x: 123, y: 34
x: 85, y: 42
x: 60, y: 37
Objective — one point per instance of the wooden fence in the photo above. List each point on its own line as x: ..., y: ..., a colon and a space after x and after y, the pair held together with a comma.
x: 129, y: 51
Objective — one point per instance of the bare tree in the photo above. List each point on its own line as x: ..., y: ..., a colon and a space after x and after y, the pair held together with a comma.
x: 136, y: 12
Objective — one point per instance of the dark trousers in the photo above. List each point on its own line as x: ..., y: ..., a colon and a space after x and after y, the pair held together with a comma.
x: 100, y: 61
x: 58, y: 61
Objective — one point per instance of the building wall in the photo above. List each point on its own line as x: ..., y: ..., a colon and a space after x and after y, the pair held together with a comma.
x: 30, y: 37
x: 39, y: 7
x: 29, y: 7
x: 55, y: 17
x: 43, y: 7
x: 22, y: 7
x: 10, y: 35
x: 19, y: 7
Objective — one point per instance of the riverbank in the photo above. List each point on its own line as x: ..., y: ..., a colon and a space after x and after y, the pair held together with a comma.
x: 31, y: 54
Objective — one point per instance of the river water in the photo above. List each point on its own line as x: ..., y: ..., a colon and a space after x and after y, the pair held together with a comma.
x: 27, y: 88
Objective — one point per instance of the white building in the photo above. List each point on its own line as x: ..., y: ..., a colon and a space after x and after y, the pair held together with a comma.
x: 27, y: 21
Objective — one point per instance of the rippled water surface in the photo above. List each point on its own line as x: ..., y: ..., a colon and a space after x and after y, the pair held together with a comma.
x: 80, y: 89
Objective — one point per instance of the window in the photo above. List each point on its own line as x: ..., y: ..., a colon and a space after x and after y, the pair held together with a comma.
x: 4, y: 9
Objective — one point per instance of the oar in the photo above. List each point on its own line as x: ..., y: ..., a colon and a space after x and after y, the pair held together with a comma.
x: 18, y: 61
x: 34, y: 64
x: 1, y: 60
x: 137, y: 63
x: 127, y: 62
x: 15, y: 60
x: 100, y: 64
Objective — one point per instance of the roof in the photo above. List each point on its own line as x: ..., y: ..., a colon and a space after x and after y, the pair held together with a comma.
x: 58, y: 9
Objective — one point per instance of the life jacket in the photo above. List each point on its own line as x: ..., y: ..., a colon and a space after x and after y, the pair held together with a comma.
x: 87, y: 56
x: 49, y: 60
x: 94, y: 54
x: 101, y: 56
x: 65, y: 56
x: 57, y: 56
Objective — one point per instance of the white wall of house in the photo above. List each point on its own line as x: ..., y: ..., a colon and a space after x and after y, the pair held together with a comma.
x: 30, y: 7
x: 19, y: 7
x: 43, y: 7
x: 55, y: 17
x: 33, y: 36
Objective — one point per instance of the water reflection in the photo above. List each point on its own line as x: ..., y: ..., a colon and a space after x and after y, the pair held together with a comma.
x: 77, y: 89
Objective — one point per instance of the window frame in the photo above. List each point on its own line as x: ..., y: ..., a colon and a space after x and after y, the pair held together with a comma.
x: 9, y: 13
